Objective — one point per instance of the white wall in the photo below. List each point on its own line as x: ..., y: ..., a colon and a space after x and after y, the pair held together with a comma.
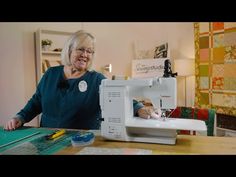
x: 115, y: 45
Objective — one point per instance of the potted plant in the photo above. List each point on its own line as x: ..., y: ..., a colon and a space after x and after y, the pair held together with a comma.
x: 46, y: 44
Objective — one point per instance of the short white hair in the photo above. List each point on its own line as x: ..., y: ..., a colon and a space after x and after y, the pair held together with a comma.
x: 75, y: 39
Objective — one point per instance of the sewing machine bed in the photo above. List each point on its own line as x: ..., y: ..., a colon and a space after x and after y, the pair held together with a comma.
x: 160, y: 130
x: 167, y: 123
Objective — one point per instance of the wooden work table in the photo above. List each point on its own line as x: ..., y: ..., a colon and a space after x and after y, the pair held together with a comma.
x: 185, y: 144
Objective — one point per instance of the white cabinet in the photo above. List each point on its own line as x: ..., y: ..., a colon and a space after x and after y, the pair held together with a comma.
x: 51, y: 56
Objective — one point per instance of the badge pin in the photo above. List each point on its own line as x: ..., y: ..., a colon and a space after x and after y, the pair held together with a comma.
x: 82, y: 86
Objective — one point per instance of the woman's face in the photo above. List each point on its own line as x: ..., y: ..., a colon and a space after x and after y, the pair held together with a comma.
x: 82, y: 54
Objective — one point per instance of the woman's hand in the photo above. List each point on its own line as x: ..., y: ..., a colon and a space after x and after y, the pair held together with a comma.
x: 147, y: 113
x: 13, y: 124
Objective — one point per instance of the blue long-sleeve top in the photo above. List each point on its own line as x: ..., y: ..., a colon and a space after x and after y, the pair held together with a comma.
x: 64, y: 104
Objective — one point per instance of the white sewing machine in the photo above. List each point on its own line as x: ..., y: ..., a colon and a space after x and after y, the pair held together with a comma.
x: 119, y: 123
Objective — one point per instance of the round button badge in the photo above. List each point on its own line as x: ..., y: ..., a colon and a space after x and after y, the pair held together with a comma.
x: 82, y: 86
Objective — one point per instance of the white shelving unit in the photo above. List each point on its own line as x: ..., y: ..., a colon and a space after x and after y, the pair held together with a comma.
x: 50, y: 57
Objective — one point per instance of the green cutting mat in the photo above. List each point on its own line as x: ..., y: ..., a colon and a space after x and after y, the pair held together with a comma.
x: 34, y: 144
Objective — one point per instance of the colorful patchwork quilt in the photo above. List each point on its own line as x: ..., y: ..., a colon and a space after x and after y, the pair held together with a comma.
x: 215, y: 53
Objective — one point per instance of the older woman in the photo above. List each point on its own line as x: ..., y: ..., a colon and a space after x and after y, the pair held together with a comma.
x: 68, y: 95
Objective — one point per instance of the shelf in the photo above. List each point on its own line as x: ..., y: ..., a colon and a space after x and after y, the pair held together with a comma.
x: 51, y: 53
x: 56, y: 32
x: 49, y: 58
x: 225, y: 129
x: 225, y: 132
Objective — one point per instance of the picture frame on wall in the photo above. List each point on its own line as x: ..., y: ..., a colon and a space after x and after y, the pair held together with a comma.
x: 161, y: 51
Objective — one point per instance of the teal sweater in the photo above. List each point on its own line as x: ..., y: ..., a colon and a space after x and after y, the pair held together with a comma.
x: 64, y: 104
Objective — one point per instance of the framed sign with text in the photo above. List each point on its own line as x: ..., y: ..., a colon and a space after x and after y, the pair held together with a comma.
x: 145, y: 68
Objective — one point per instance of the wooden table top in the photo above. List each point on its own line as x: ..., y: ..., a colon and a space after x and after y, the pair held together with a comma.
x: 185, y: 144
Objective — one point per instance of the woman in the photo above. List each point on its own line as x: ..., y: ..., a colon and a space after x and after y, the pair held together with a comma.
x: 68, y: 95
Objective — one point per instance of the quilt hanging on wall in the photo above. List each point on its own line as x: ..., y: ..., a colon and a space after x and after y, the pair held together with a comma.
x: 215, y: 53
